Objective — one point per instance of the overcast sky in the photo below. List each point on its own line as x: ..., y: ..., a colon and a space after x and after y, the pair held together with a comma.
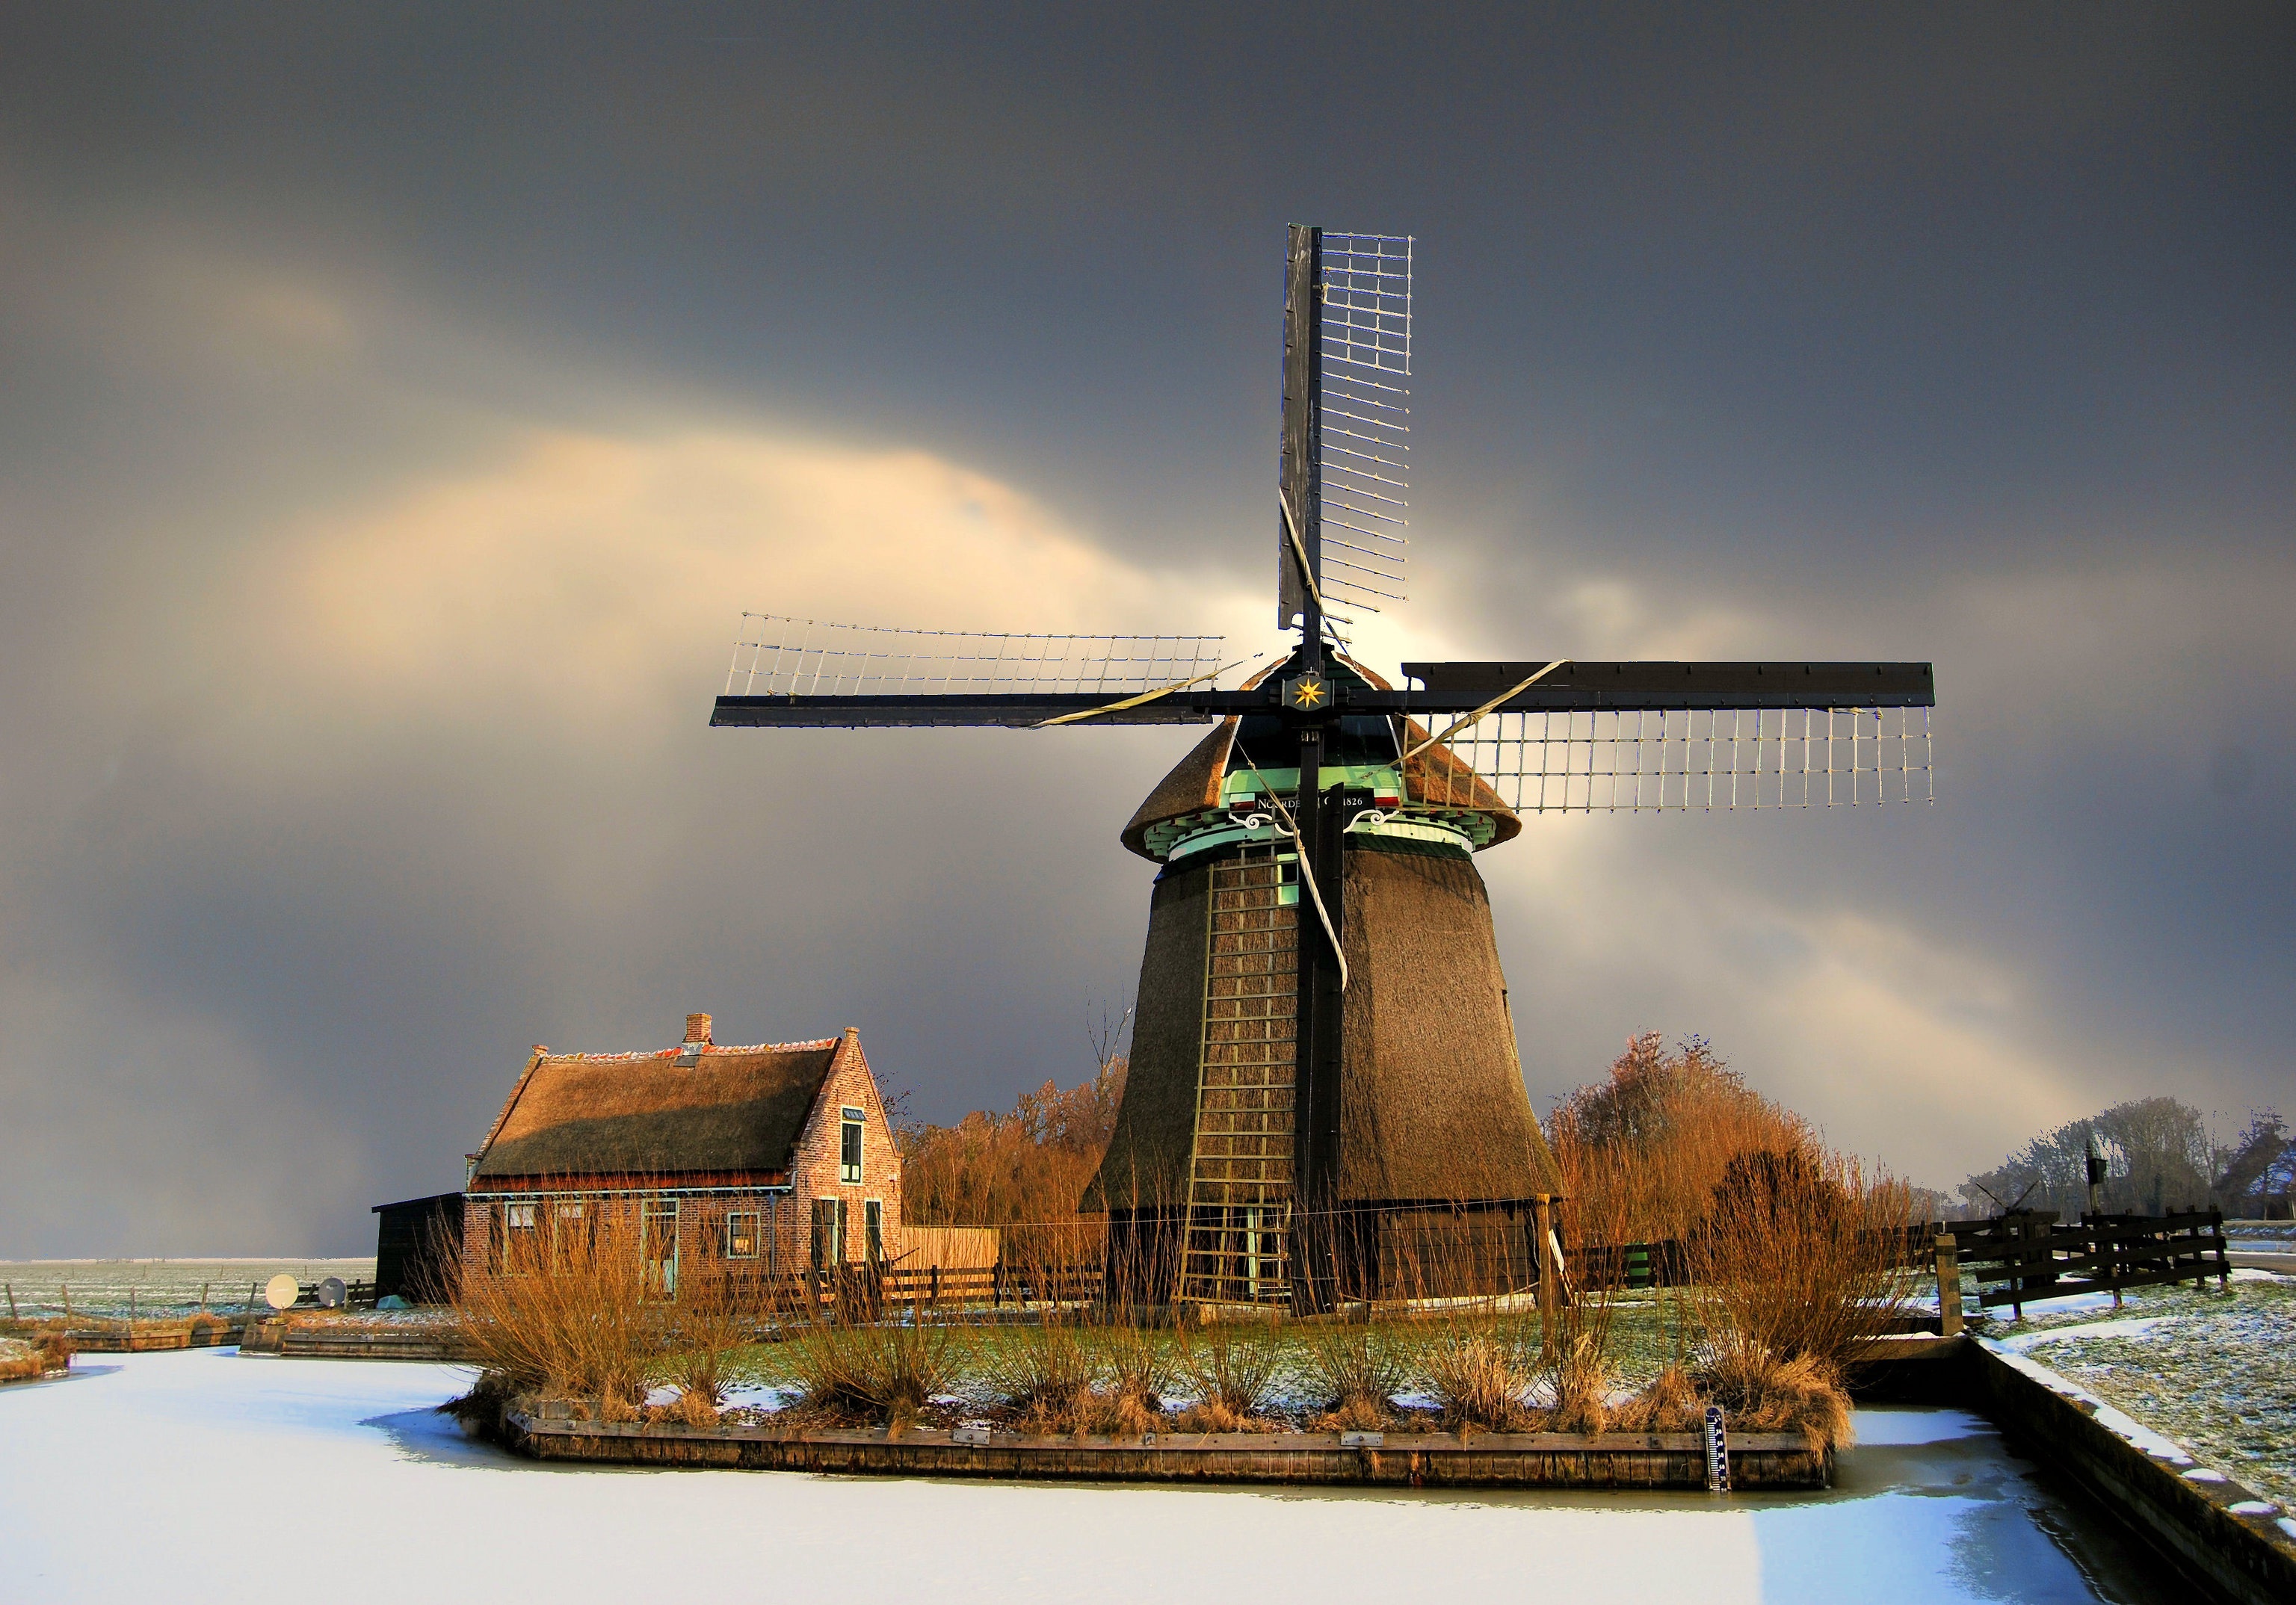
x: 397, y: 410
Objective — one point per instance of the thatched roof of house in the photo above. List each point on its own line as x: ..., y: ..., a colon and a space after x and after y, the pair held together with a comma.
x: 710, y: 1115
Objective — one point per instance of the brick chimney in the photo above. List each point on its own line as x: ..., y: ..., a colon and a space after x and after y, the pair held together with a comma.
x: 697, y: 1030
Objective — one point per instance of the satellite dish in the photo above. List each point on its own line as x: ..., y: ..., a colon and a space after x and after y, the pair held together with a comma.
x: 331, y: 1293
x: 281, y: 1291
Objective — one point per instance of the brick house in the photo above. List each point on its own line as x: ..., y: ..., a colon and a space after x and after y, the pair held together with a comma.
x: 768, y: 1158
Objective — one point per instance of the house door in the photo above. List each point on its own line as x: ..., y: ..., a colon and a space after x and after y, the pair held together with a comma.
x: 657, y: 1246
x: 873, y: 1230
x: 828, y: 1232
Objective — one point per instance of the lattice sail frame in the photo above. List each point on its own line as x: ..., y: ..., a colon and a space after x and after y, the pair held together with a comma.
x: 1364, y: 406
x: 1646, y: 761
x: 807, y: 657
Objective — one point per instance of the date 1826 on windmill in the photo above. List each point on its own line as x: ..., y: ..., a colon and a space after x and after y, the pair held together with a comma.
x: 1324, y: 1100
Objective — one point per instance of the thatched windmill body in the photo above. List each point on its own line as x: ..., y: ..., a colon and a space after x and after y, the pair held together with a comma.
x: 1325, y: 1099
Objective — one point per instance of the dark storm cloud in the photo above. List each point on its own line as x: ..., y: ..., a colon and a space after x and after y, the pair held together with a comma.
x: 1965, y: 334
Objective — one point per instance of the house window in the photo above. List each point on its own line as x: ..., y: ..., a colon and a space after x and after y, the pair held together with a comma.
x: 741, y: 1234
x: 518, y: 1220
x: 848, y: 1146
x: 570, y: 1230
x: 873, y: 1230
x: 658, y: 1240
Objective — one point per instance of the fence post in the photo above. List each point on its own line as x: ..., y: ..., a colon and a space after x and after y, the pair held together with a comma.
x: 1550, y: 1280
x: 1949, y: 1272
x: 11, y: 1301
x: 936, y: 1287
x: 2201, y: 1261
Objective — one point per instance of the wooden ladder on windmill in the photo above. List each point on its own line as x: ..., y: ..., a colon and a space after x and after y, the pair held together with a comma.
x: 1239, y: 1169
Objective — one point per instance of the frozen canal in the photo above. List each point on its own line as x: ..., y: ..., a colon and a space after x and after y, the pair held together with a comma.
x: 204, y: 1475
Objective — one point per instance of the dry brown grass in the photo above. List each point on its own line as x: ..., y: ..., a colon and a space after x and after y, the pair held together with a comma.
x: 31, y: 1355
x: 1764, y: 1392
x: 1670, y: 1403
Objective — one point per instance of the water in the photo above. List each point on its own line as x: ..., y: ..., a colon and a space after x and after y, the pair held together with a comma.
x: 199, y: 1471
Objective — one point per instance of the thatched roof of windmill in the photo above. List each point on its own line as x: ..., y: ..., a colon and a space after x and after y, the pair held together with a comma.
x: 1432, y: 1104
x: 1436, y: 777
x: 701, y: 1114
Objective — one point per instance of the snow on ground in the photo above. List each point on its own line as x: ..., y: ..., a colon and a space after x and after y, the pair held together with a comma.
x: 195, y: 1473
x: 158, y: 1287
x: 2215, y: 1370
x: 2136, y: 1328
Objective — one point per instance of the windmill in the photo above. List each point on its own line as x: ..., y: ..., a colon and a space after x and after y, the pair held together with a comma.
x: 1323, y: 1074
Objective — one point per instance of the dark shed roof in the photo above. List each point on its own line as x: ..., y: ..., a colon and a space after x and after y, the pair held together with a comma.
x: 732, y: 1111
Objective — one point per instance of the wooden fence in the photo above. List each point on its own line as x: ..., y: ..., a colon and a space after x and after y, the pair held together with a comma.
x: 865, y: 1291
x: 2030, y: 1256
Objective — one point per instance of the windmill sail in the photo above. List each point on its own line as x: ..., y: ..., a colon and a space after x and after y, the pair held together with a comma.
x: 1575, y: 737
x: 1364, y: 403
x: 1644, y: 760
x: 1346, y: 479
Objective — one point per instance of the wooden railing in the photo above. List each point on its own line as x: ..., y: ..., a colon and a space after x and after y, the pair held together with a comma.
x: 2029, y: 1256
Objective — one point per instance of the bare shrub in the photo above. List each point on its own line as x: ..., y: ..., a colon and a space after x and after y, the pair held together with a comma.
x: 1794, y: 1271
x: 1041, y: 1370
x: 1479, y: 1378
x: 1030, y: 1166
x: 1356, y: 1371
x: 1137, y: 1366
x: 709, y: 1322
x: 1644, y: 1150
x: 1799, y: 1255
x: 1232, y: 1366
x: 875, y: 1373
x: 569, y: 1320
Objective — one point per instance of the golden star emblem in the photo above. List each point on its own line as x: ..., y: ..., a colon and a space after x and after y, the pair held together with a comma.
x: 1308, y: 692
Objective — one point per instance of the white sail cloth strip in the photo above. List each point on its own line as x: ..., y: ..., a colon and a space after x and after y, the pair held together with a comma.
x: 1145, y: 697
x: 1633, y: 761
x: 1364, y: 416
x: 1461, y: 723
x: 1285, y: 825
x: 778, y: 656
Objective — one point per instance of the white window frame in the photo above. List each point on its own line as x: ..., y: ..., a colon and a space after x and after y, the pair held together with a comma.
x: 854, y: 1122
x: 756, y: 1217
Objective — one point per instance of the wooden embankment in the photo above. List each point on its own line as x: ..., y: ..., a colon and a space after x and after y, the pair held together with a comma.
x: 125, y: 1338
x: 1481, y: 1460
x: 356, y: 1340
